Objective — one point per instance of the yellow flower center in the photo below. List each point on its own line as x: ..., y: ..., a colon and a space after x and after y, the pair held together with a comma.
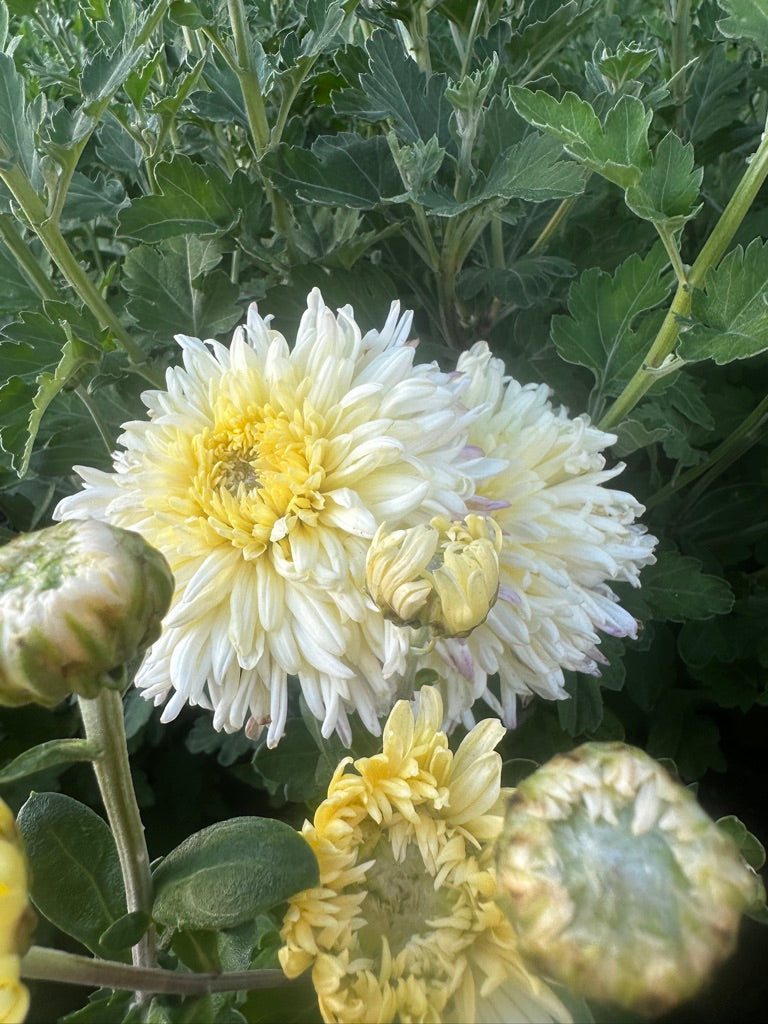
x: 259, y: 473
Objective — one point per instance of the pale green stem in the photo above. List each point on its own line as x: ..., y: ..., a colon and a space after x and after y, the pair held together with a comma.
x: 105, y: 729
x: 709, y: 257
x: 680, y: 14
x: 97, y: 418
x: 43, y: 964
x: 746, y: 434
x: 49, y: 234
x: 470, y: 41
x: 25, y: 259
x: 553, y: 223
x: 94, y: 114
x: 417, y: 42
x: 248, y: 77
x: 673, y: 252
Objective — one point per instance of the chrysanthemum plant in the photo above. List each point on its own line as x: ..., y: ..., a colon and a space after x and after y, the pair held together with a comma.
x: 395, y: 540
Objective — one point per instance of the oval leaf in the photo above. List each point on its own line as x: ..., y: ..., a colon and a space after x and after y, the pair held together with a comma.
x: 231, y: 871
x: 76, y: 879
x: 47, y: 755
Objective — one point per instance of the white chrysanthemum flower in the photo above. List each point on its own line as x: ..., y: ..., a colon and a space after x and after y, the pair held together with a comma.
x: 566, y: 536
x: 261, y: 474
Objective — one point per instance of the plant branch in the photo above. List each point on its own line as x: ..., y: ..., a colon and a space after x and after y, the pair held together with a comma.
x: 248, y: 77
x: 49, y: 234
x: 710, y: 255
x: 105, y: 728
x: 43, y: 964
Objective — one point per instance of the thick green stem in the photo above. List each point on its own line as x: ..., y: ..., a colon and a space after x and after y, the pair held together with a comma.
x: 49, y: 234
x: 55, y: 965
x: 105, y: 728
x: 248, y: 77
x: 710, y: 255
x: 746, y: 434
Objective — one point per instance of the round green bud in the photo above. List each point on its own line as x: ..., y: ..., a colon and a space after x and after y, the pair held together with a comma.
x: 618, y: 883
x: 77, y: 601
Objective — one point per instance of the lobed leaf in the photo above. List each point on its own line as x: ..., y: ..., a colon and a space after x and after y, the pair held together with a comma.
x: 666, y: 191
x: 676, y: 589
x: 730, y: 314
x: 600, y: 331
x: 747, y: 19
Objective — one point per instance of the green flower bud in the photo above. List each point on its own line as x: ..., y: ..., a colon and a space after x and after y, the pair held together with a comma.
x: 444, y: 576
x: 618, y: 883
x: 77, y: 600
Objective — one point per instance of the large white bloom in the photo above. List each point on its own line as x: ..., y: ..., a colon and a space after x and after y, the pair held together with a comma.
x: 566, y: 535
x: 261, y: 474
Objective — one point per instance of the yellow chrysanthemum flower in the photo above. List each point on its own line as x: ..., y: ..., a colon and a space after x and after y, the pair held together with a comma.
x: 262, y: 473
x: 404, y: 924
x: 16, y: 920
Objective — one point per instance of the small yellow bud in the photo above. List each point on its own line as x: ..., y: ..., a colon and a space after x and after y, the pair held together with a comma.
x: 16, y: 920
x: 77, y: 600
x: 618, y: 884
x: 444, y: 576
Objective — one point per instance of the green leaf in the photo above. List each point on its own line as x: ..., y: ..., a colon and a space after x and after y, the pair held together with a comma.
x: 633, y: 435
x: 624, y: 65
x: 193, y: 200
x: 16, y: 139
x: 730, y: 315
x: 339, y: 170
x: 750, y: 847
x: 600, y: 331
x: 89, y: 198
x: 76, y: 879
x: 52, y: 754
x: 192, y: 13
x: 399, y: 91
x: 75, y: 355
x: 747, y: 19
x: 676, y: 589
x: 544, y: 29
x: 124, y: 933
x: 523, y: 284
x: 231, y: 871
x: 667, y: 191
x: 617, y: 148
x: 173, y: 289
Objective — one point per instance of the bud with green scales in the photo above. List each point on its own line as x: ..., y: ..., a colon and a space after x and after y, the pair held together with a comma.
x: 442, y: 576
x: 619, y: 885
x: 77, y: 601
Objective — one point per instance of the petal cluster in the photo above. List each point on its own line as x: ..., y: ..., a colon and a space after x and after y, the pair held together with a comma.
x: 404, y: 925
x: 262, y: 472
x: 566, y: 537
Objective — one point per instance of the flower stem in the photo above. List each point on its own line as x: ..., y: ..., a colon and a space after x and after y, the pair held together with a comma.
x: 248, y: 77
x: 49, y: 234
x: 710, y: 255
x: 105, y: 728
x: 746, y: 434
x: 72, y: 969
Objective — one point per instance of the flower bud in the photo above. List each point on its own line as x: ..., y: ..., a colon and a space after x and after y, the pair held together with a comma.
x: 16, y: 919
x: 444, y: 576
x: 619, y: 885
x: 77, y: 600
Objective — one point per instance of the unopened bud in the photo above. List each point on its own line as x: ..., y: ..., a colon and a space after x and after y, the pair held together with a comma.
x: 77, y: 600
x: 444, y: 576
x: 618, y: 883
